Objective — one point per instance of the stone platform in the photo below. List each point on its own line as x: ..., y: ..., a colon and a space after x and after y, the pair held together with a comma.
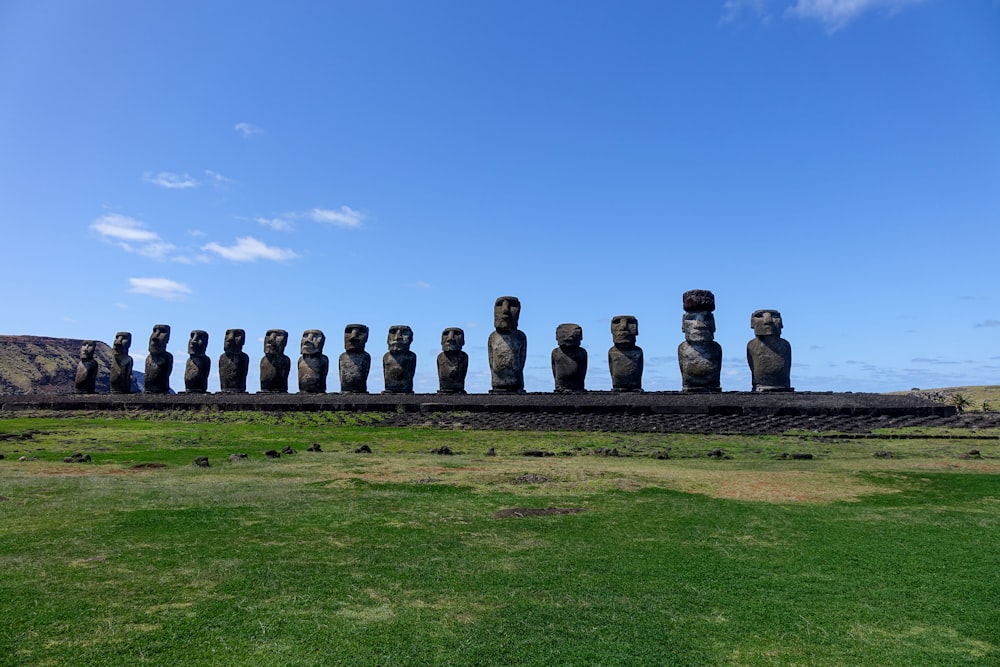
x: 744, y: 404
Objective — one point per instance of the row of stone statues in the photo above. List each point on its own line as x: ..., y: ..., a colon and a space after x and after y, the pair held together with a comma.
x: 699, y: 356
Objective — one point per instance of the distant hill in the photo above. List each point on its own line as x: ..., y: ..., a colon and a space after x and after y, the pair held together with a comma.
x: 983, y: 398
x: 42, y: 365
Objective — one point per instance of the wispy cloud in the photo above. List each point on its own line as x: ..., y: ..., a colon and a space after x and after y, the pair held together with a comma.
x: 170, y: 180
x: 123, y: 228
x: 989, y: 324
x: 217, y: 179
x: 132, y: 236
x: 249, y: 249
x: 161, y: 288
x: 280, y: 224
x: 835, y: 14
x: 344, y: 217
x: 248, y: 129
x: 422, y: 284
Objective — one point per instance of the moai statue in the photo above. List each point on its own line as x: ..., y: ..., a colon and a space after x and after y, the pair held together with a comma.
x: 198, y: 365
x: 625, y: 357
x: 86, y: 370
x: 159, y: 362
x: 275, y: 365
x: 453, y: 363
x: 234, y: 363
x: 354, y: 361
x: 769, y: 355
x: 121, y: 364
x: 569, y: 360
x: 508, y: 348
x: 313, y: 364
x: 699, y: 356
x: 399, y: 363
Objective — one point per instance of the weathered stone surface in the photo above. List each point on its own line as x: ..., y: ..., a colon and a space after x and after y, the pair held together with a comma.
x: 313, y: 364
x: 354, y: 362
x: 452, y: 362
x: 86, y: 370
x: 121, y: 364
x: 508, y: 347
x: 275, y: 366
x: 198, y: 365
x: 234, y: 364
x: 399, y: 364
x: 201, y: 461
x: 569, y: 360
x: 768, y: 354
x: 699, y: 356
x: 625, y: 357
x: 159, y: 362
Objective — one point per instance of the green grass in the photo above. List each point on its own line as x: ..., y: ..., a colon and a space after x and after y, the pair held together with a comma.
x: 395, y: 558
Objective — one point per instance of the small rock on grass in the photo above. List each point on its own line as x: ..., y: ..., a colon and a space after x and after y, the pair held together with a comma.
x: 201, y: 461
x: 237, y: 457
x: 315, y: 447
x: 443, y: 449
x: 363, y: 449
x: 287, y: 449
x: 272, y: 454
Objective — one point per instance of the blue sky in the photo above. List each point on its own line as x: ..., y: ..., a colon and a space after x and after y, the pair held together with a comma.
x: 213, y: 165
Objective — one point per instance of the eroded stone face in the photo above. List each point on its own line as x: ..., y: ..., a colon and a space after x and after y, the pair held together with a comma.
x: 313, y: 341
x: 354, y: 363
x: 698, y: 326
x: 86, y: 370
x: 121, y: 364
x: 624, y: 330
x: 159, y: 362
x: 768, y: 354
x: 452, y: 362
x: 313, y: 364
x: 399, y: 364
x: 569, y: 360
x: 275, y: 365
x: 507, y: 347
x: 355, y: 337
x: 506, y: 313
x: 198, y: 365
x: 234, y: 364
x: 625, y: 360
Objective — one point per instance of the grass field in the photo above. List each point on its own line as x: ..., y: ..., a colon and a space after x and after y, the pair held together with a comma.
x: 403, y: 557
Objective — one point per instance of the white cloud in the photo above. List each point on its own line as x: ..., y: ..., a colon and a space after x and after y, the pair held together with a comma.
x: 217, y: 179
x: 123, y: 228
x: 835, y: 14
x: 279, y: 224
x: 345, y: 217
x: 248, y: 129
x: 249, y: 249
x: 423, y: 284
x: 170, y: 180
x: 161, y: 288
x: 732, y: 9
x: 157, y: 251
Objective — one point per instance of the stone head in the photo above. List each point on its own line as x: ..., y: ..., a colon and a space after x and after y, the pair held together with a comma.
x: 234, y: 340
x: 87, y: 350
x: 159, y: 338
x: 624, y: 329
x: 766, y: 322
x: 313, y: 341
x: 355, y: 337
x: 275, y: 341
x: 452, y: 339
x: 506, y: 313
x: 123, y: 341
x: 698, y: 323
x: 569, y: 335
x: 198, y: 342
x: 400, y: 337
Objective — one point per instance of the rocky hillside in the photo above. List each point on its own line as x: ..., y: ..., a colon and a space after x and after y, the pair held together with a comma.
x: 41, y: 365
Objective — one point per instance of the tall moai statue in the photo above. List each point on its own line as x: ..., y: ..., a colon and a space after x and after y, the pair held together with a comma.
x: 234, y: 364
x: 121, y: 364
x: 86, y: 370
x: 569, y: 360
x: 699, y: 356
x: 275, y: 366
x: 313, y: 364
x: 159, y: 362
x: 354, y: 362
x: 399, y: 364
x: 625, y: 357
x: 452, y: 362
x: 768, y: 354
x: 508, y: 347
x: 198, y: 365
